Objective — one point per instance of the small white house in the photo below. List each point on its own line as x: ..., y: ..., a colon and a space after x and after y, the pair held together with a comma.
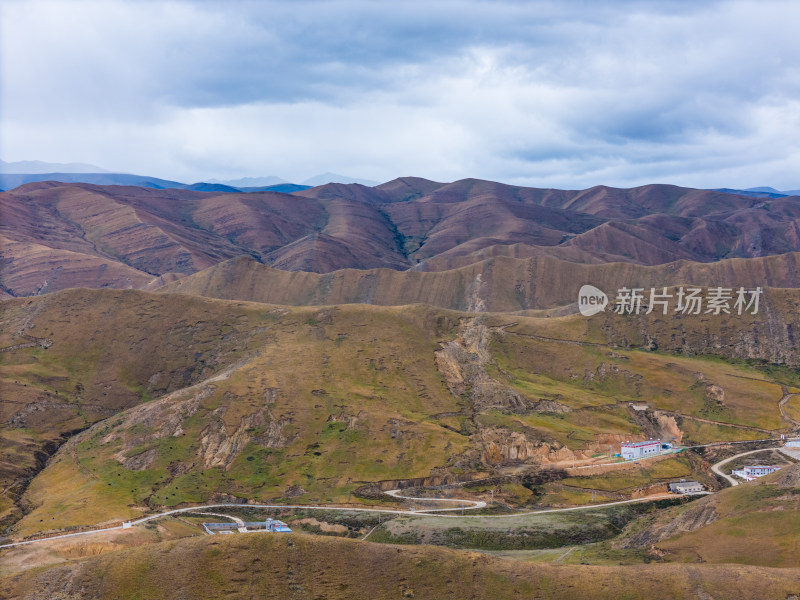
x: 633, y: 450
x: 686, y: 487
x: 754, y: 472
x: 277, y: 526
x: 793, y: 444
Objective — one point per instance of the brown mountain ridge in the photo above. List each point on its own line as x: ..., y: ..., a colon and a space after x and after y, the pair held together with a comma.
x: 121, y: 236
x: 497, y: 284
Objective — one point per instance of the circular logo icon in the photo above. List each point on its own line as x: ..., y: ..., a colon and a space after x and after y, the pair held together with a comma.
x: 591, y: 300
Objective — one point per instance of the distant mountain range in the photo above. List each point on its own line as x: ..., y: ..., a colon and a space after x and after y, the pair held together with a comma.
x: 245, y: 182
x: 38, y: 166
x: 256, y: 182
x: 761, y: 192
x: 336, y: 178
x: 14, y: 174
x: 9, y: 181
x: 12, y: 180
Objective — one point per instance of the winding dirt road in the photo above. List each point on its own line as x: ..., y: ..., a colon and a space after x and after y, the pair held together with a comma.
x: 465, y: 504
x: 716, y: 467
x: 473, y: 505
x: 782, y: 405
x: 407, y: 513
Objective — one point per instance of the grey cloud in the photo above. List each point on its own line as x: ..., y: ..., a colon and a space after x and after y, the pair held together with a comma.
x: 287, y: 51
x: 563, y: 91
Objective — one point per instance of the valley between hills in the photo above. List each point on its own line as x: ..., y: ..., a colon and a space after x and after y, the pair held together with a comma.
x: 165, y: 349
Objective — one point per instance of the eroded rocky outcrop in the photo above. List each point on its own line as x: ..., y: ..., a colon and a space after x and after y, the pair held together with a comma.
x: 345, y: 416
x: 699, y: 514
x: 789, y: 477
x: 147, y: 423
x: 610, y: 372
x: 500, y: 445
x: 463, y: 363
x: 274, y: 436
x: 218, y: 445
x: 549, y: 406
x: 219, y: 442
x: 655, y: 424
x: 141, y: 461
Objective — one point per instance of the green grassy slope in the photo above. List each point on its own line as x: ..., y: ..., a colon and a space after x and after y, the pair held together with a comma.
x: 198, y: 399
x: 76, y: 357
x: 754, y: 523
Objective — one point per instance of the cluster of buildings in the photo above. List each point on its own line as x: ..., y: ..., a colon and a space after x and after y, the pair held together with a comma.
x: 636, y: 450
x: 754, y: 471
x: 270, y: 526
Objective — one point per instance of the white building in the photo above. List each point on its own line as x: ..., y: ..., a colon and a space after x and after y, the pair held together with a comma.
x: 633, y: 450
x: 686, y: 487
x: 275, y: 525
x: 754, y: 472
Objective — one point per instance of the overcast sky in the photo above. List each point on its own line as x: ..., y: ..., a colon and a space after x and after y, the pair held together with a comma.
x: 563, y: 94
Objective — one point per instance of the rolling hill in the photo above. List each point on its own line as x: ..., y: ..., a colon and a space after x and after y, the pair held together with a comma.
x: 302, y: 566
x: 721, y: 528
x: 186, y: 399
x: 498, y: 284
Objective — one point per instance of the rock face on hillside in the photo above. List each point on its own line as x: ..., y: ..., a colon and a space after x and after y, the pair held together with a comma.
x: 218, y: 443
x: 463, y: 362
x: 789, y: 477
x: 117, y: 358
x: 698, y: 515
x: 770, y: 336
x: 502, y: 446
x: 218, y: 446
